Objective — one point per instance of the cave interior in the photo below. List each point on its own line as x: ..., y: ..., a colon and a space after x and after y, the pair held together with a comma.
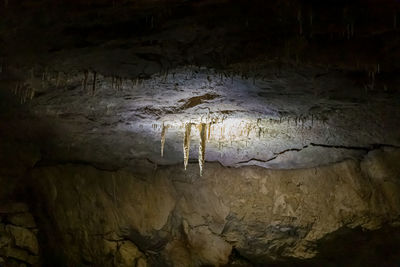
x: 199, y: 133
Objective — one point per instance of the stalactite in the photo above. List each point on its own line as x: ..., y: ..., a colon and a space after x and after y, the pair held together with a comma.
x: 300, y: 20
x: 186, y: 144
x: 94, y: 83
x: 163, y: 132
x: 166, y: 75
x: 27, y: 94
x: 32, y: 94
x: 58, y: 79
x: 202, y: 146
x: 22, y: 93
x: 16, y: 88
x: 43, y: 79
x: 85, y: 79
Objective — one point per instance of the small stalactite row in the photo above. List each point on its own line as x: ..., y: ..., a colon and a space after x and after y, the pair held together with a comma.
x: 85, y: 81
x: 117, y: 83
x: 24, y: 92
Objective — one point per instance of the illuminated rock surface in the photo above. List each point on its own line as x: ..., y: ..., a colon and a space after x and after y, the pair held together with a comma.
x: 177, y: 217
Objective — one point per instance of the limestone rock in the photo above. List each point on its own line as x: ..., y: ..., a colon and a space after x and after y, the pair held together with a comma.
x: 202, y: 206
x: 141, y: 263
x: 128, y: 254
x: 22, y: 219
x: 118, y: 205
x: 201, y: 247
x: 265, y: 215
x: 21, y: 255
x: 209, y: 249
x: 178, y: 254
x: 24, y: 238
x: 5, y: 240
x: 14, y: 207
x: 110, y: 247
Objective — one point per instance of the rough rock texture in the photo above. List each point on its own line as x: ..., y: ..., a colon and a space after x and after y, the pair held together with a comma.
x: 18, y: 236
x: 176, y: 217
x: 291, y: 109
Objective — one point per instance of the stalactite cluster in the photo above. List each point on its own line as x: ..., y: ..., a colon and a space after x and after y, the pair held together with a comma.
x: 117, y: 83
x: 24, y: 92
x: 223, y: 130
x: 85, y: 82
x: 372, y: 76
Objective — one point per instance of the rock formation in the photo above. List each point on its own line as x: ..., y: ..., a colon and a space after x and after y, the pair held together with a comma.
x: 199, y: 133
x: 263, y: 215
x: 18, y: 236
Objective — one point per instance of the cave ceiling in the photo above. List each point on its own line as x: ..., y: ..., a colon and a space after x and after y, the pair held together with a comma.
x: 279, y: 84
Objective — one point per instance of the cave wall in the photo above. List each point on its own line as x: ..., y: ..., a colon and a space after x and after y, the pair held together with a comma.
x: 249, y: 215
x: 87, y: 89
x: 19, y: 233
